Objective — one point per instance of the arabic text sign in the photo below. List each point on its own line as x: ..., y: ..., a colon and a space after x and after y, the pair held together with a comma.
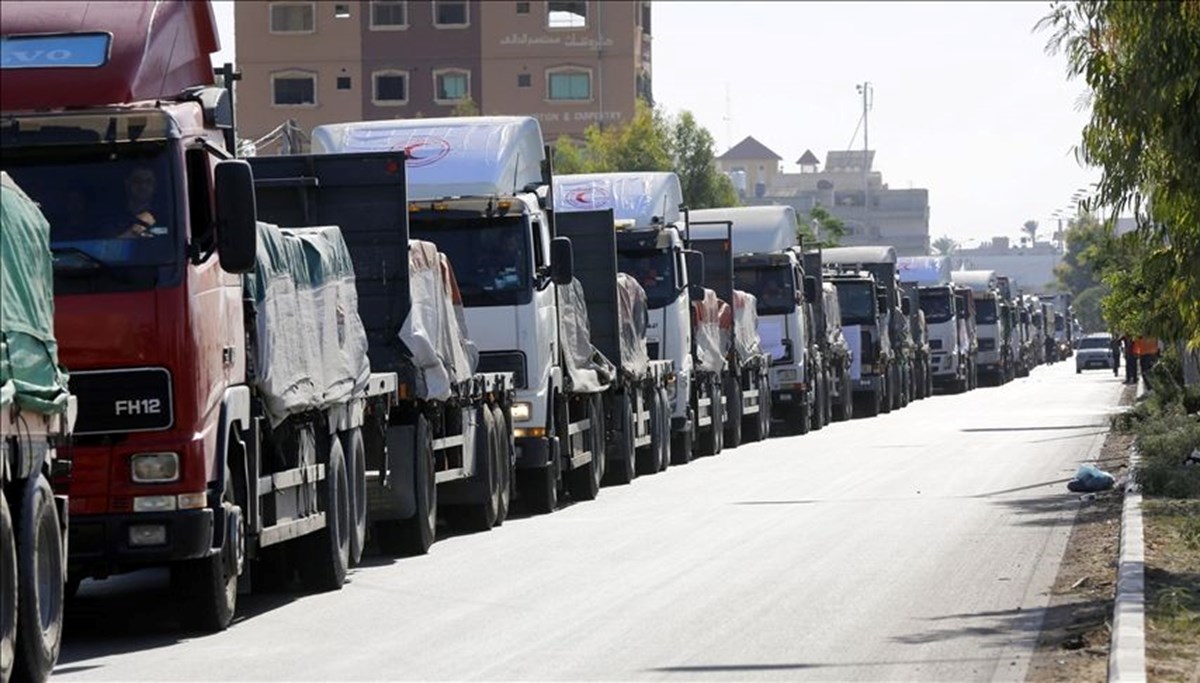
x: 572, y: 40
x: 80, y: 50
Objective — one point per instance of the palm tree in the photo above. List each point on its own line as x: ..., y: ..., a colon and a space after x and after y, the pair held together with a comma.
x: 1030, y: 228
x: 944, y: 245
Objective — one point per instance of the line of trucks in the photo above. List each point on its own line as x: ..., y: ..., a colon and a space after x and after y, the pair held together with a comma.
x: 303, y: 357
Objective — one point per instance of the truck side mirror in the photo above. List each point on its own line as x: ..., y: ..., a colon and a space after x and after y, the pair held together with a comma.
x: 694, y: 262
x: 237, y: 216
x: 562, y: 261
x: 881, y: 303
x: 906, y: 306
x: 810, y: 289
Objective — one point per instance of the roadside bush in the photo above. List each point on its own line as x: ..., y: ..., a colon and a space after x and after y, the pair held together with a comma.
x: 1165, y: 441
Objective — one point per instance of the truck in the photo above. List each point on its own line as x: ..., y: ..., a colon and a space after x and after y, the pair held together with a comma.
x: 880, y: 261
x: 637, y: 407
x: 948, y: 353
x: 37, y: 414
x: 837, y: 403
x: 864, y: 307
x: 1060, y: 322
x: 769, y: 265
x: 443, y: 446
x: 477, y: 190
x: 922, y: 375
x: 994, y: 355
x: 210, y: 426
x: 965, y: 302
x: 745, y: 379
x: 683, y: 328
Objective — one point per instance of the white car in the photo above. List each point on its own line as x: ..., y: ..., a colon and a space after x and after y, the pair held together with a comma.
x: 1094, y: 351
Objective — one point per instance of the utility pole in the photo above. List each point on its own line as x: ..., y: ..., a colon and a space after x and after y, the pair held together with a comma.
x: 866, y: 91
x: 728, y: 120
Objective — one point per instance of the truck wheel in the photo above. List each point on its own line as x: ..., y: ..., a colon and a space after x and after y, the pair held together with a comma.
x: 40, y: 576
x: 9, y: 597
x: 733, y: 421
x: 481, y: 515
x: 802, y: 418
x: 414, y: 536
x: 718, y: 417
x: 327, y: 557
x: 870, y: 405
x: 662, y: 434
x: 681, y: 446
x: 356, y: 474
x: 583, y: 483
x: 647, y: 456
x: 847, y: 407
x: 504, y: 463
x: 540, y: 488
x: 624, y: 452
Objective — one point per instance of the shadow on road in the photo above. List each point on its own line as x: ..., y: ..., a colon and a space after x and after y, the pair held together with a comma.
x: 1003, y: 622
x: 800, y: 666
x: 1048, y: 510
x: 1031, y: 429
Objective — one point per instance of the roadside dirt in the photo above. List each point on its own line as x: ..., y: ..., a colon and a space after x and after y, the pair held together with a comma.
x: 1172, y: 529
x: 1073, y: 645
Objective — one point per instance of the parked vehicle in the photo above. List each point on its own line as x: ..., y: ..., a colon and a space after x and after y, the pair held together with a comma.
x: 922, y: 375
x: 637, y: 407
x: 37, y: 414
x: 969, y: 339
x: 1095, y: 351
x: 443, y: 445
x: 682, y: 328
x: 475, y: 194
x: 769, y: 265
x: 864, y: 307
x: 209, y: 422
x: 945, y: 333
x: 745, y: 380
x: 993, y: 356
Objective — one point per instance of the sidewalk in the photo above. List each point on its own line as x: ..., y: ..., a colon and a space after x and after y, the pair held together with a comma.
x: 1127, y: 649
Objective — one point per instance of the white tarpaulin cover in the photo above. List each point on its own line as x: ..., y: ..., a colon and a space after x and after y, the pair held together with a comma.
x: 756, y: 229
x: 639, y: 197
x: 631, y: 303
x: 745, y: 325
x: 310, y: 345
x: 924, y: 270
x: 707, y: 336
x: 435, y: 331
x: 587, y: 368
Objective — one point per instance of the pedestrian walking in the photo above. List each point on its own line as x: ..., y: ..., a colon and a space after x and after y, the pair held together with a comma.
x: 1115, y: 348
x: 1131, y: 369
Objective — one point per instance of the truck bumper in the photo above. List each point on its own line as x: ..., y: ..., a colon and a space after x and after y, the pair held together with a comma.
x: 102, y: 544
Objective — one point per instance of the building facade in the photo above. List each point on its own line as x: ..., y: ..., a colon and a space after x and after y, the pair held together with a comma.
x: 1030, y: 267
x: 570, y: 63
x: 848, y: 188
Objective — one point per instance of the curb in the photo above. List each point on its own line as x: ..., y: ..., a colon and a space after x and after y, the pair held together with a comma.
x: 1127, y: 646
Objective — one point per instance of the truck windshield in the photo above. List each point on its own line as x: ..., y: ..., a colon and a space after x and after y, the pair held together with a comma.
x: 490, y: 256
x: 771, y: 286
x: 935, y: 303
x: 985, y: 311
x: 654, y: 271
x: 112, y: 214
x: 857, y: 301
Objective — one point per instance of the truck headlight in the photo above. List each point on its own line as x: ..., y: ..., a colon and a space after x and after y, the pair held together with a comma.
x: 154, y: 468
x: 522, y: 411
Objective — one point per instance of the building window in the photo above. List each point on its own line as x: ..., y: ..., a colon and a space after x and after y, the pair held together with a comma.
x: 343, y: 82
x: 524, y: 80
x: 341, y: 11
x: 292, y: 17
x: 522, y: 8
x: 388, y: 14
x: 451, y: 85
x: 390, y: 87
x: 566, y: 14
x: 294, y: 89
x: 569, y: 84
x: 450, y: 13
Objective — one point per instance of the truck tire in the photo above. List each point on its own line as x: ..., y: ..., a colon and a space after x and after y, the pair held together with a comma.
x: 681, y: 445
x: 718, y: 416
x: 415, y: 535
x: 327, y: 556
x: 752, y: 424
x: 40, y: 576
x: 481, y: 515
x: 583, y: 483
x: 662, y: 434
x: 504, y: 462
x: 846, y: 411
x: 356, y: 474
x: 540, y: 488
x: 871, y: 405
x: 624, y: 453
x: 733, y: 422
x: 647, y: 455
x: 9, y: 594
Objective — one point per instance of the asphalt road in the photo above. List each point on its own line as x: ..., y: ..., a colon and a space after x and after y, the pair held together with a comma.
x: 918, y: 545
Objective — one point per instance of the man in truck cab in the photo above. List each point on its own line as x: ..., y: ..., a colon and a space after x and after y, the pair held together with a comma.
x: 142, y: 219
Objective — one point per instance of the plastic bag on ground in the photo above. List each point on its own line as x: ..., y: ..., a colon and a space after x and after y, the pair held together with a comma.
x: 1090, y: 478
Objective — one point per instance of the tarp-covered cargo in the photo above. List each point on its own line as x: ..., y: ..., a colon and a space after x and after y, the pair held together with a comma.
x: 310, y: 348
x: 588, y: 370
x: 29, y: 371
x: 634, y: 311
x: 756, y: 229
x: 435, y: 330
x: 647, y: 199
x: 478, y: 156
x: 924, y: 270
x: 745, y: 326
x: 707, y: 332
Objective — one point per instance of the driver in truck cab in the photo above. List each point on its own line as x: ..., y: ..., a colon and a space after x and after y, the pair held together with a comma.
x: 142, y: 213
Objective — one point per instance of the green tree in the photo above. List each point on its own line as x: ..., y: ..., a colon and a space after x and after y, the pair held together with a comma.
x: 944, y: 245
x: 1087, y: 308
x: 465, y: 107
x: 1031, y: 228
x: 703, y: 184
x: 1086, y: 240
x: 831, y: 228
x: 1141, y: 62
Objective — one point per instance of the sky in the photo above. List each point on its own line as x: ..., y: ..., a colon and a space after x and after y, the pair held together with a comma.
x: 967, y: 103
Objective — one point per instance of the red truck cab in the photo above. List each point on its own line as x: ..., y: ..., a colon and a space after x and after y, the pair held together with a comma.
x: 111, y: 121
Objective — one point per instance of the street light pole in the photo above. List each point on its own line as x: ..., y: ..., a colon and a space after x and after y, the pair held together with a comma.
x: 865, y: 89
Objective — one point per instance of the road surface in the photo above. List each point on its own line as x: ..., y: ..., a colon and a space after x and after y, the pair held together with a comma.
x: 916, y: 545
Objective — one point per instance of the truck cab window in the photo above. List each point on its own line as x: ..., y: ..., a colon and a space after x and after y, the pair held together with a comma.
x: 198, y: 165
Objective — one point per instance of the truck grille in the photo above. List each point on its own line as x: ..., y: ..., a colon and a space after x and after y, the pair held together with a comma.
x: 935, y: 344
x: 987, y: 344
x: 122, y: 401
x: 505, y: 361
